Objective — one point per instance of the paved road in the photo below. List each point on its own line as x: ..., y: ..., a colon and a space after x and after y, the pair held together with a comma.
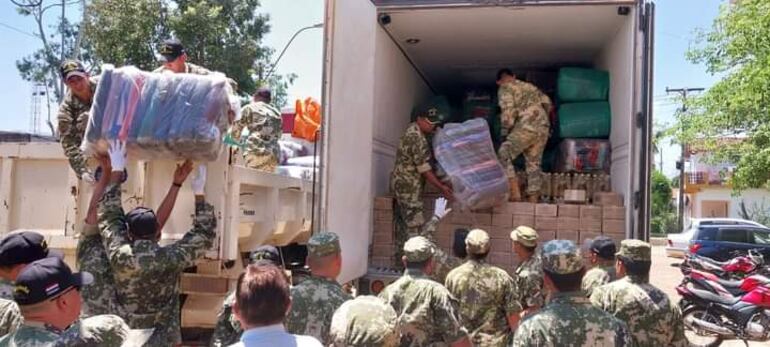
x: 666, y: 276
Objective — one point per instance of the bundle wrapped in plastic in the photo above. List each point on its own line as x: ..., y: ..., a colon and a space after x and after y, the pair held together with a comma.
x: 160, y: 116
x: 584, y: 156
x: 465, y: 152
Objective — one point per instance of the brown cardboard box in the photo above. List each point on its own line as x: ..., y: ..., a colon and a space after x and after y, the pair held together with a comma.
x: 614, y: 226
x: 500, y: 245
x: 566, y: 210
x: 593, y: 225
x: 500, y: 233
x: 523, y: 208
x: 613, y: 212
x: 382, y: 239
x: 524, y: 220
x: 567, y: 224
x: 383, y: 216
x: 501, y: 258
x: 481, y: 218
x: 463, y: 218
x: 502, y: 220
x: 608, y: 199
x: 587, y: 235
x: 545, y: 235
x: 546, y: 210
x: 617, y: 237
x: 590, y: 212
x: 383, y: 203
x: 381, y: 262
x: 504, y: 208
x: 382, y: 251
x: 383, y: 228
x: 546, y: 223
x: 568, y: 235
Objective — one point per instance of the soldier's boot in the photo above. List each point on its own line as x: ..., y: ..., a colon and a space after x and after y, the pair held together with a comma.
x: 515, y: 192
x: 533, y: 198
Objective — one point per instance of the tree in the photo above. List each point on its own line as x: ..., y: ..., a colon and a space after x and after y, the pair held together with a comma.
x: 738, y: 48
x: 663, y: 217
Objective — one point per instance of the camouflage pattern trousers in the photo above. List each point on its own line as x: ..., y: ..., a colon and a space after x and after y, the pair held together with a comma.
x: 408, y: 221
x: 263, y: 162
x: 531, y: 143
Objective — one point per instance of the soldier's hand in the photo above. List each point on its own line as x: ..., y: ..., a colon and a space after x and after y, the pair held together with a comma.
x: 117, y: 153
x: 440, y: 210
x: 88, y: 177
x: 199, y: 181
x: 182, y: 171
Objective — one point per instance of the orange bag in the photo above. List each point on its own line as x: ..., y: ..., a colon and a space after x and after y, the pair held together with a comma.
x: 307, y: 119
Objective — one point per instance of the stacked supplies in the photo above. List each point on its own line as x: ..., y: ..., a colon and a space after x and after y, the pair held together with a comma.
x: 464, y: 151
x: 584, y: 155
x: 160, y: 116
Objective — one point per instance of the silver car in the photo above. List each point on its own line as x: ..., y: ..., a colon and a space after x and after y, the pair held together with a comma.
x: 677, y: 244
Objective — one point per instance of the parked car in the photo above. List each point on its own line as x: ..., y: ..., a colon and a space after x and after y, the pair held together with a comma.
x: 723, y: 242
x: 677, y: 244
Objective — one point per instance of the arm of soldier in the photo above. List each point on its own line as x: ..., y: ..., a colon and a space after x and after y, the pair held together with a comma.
x: 112, y: 218
x: 194, y: 243
x: 237, y: 129
x: 448, y: 320
x: 679, y: 340
x: 512, y: 304
x: 224, y: 331
x: 167, y: 205
x: 507, y: 106
x: 70, y: 140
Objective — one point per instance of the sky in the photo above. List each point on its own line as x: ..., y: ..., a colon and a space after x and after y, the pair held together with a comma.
x: 675, y: 25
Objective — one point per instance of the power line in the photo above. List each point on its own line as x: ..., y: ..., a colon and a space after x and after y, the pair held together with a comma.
x: 17, y: 30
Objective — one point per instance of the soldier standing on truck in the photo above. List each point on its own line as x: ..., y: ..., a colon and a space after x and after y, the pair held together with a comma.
x: 529, y: 274
x: 524, y: 117
x: 315, y: 299
x: 409, y: 174
x: 265, y: 127
x: 73, y: 116
x: 141, y: 266
x: 174, y: 58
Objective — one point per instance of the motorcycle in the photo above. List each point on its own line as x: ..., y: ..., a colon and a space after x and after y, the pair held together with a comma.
x: 725, y: 288
x: 713, y: 317
x: 735, y: 268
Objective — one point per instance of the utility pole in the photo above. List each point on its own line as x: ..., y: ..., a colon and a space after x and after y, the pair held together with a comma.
x: 680, y: 164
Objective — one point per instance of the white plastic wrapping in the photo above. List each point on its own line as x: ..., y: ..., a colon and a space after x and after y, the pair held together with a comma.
x: 164, y: 116
x: 465, y: 152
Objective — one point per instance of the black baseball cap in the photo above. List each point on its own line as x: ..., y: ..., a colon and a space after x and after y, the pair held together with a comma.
x: 604, y: 247
x: 45, y: 279
x: 70, y: 68
x: 142, y: 222
x: 170, y: 50
x: 266, y: 253
x: 24, y: 247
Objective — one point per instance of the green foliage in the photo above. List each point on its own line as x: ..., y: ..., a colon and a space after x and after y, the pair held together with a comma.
x: 664, y: 218
x: 737, y: 48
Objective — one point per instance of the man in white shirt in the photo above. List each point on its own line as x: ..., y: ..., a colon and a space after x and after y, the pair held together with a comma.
x: 262, y: 300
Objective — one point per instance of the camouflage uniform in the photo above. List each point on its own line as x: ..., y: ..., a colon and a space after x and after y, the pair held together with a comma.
x: 599, y: 275
x: 525, y: 116
x: 106, y: 331
x: 72, y: 121
x: 10, y: 317
x: 529, y: 274
x: 443, y: 262
x: 228, y: 329
x: 101, y: 296
x: 142, y: 266
x: 265, y: 127
x: 315, y: 299
x: 365, y: 321
x: 486, y: 293
x: 427, y: 312
x: 189, y: 68
x: 569, y: 319
x: 651, y: 316
x: 406, y: 184
x: 6, y: 289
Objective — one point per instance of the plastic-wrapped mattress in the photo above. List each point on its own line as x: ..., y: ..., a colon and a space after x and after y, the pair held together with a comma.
x: 465, y: 152
x: 160, y: 116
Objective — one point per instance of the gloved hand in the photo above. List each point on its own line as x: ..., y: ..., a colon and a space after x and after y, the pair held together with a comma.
x: 440, y: 210
x: 199, y: 181
x: 88, y: 177
x: 117, y: 153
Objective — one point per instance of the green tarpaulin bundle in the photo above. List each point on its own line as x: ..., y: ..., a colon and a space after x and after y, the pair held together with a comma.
x: 581, y: 85
x: 585, y: 120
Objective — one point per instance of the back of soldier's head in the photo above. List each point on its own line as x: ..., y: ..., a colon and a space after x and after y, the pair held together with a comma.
x: 366, y: 321
x: 261, y: 296
x: 142, y: 224
x: 563, y: 265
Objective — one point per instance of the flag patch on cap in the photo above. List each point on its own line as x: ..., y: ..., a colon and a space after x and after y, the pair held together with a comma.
x: 53, y: 288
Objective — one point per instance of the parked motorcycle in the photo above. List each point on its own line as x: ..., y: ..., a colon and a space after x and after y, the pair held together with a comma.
x: 735, y: 268
x: 710, y: 318
x: 726, y: 288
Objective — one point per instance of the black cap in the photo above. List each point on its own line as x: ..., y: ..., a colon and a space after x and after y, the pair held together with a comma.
x: 142, y: 222
x: 72, y: 68
x: 170, y: 50
x: 266, y: 253
x: 604, y: 247
x: 45, y: 279
x: 23, y: 248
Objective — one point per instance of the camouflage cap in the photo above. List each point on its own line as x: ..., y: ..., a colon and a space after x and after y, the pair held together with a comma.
x: 364, y: 321
x: 525, y: 236
x: 477, y: 242
x: 418, y: 249
x: 561, y: 257
x: 635, y: 250
x: 323, y: 244
x: 435, y: 110
x: 266, y: 253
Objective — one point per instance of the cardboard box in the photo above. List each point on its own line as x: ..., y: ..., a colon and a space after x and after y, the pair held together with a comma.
x: 523, y: 208
x: 546, y: 223
x: 383, y: 228
x: 566, y: 210
x: 384, y: 239
x: 608, y: 199
x: 590, y: 212
x: 567, y: 224
x: 577, y: 196
x: 617, y: 237
x: 462, y: 218
x: 481, y: 218
x: 383, y: 203
x: 523, y: 220
x: 381, y: 262
x: 382, y: 251
x: 614, y: 226
x: 500, y: 233
x: 500, y: 258
x: 593, y: 225
x: 502, y: 220
x: 546, y: 210
x: 383, y: 216
x: 545, y: 235
x: 572, y: 235
x: 587, y: 235
x: 500, y: 245
x: 614, y: 212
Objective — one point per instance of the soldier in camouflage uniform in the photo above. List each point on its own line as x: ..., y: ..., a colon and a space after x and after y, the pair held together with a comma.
x: 529, y: 274
x: 73, y: 114
x: 10, y: 317
x: 365, y: 321
x: 411, y: 170
x: 651, y: 316
x: 569, y: 319
x: 427, y: 313
x: 265, y: 127
x: 489, y: 303
x: 602, y: 257
x: 140, y: 265
x: 524, y: 117
x: 47, y: 292
x: 315, y: 299
x: 174, y: 58
x: 228, y: 329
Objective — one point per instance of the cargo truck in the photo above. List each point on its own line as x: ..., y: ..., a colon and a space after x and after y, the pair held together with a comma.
x: 381, y: 58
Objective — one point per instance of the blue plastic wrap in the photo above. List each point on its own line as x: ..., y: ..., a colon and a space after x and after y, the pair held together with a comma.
x: 160, y: 116
x: 465, y: 152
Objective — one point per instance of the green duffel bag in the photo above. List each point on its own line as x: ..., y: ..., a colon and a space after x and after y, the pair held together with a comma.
x: 585, y: 120
x: 580, y: 85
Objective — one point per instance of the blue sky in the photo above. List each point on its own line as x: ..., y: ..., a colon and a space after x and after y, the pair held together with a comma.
x: 676, y: 21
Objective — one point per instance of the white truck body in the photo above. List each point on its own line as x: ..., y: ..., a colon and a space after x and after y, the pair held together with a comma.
x: 385, y: 56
